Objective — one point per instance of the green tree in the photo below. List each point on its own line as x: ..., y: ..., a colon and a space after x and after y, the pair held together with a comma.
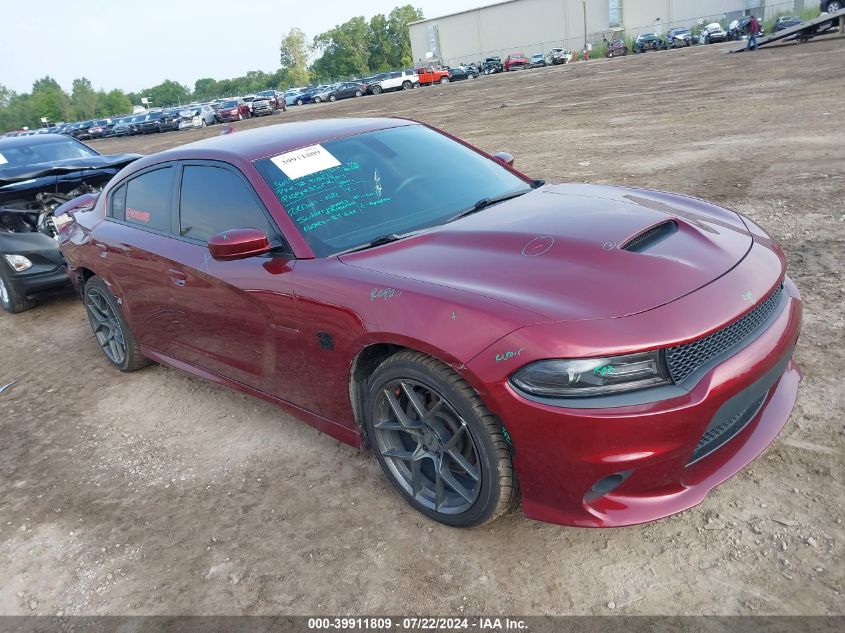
x: 379, y: 44
x: 47, y: 100
x: 294, y: 56
x: 167, y: 93
x: 83, y: 99
x: 205, y: 89
x: 112, y: 103
x: 345, y: 50
x: 399, y: 36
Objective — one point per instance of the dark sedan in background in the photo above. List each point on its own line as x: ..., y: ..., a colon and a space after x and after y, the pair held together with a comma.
x: 648, y: 42
x: 461, y: 73
x: 39, y: 174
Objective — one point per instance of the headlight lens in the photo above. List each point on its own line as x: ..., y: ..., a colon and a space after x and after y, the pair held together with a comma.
x: 581, y: 377
x: 18, y: 262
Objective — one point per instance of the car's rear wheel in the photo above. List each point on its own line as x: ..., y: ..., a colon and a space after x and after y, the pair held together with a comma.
x: 358, y: 93
x: 437, y: 443
x: 444, y: 80
x: 407, y: 85
x: 12, y: 298
x: 110, y: 328
x: 332, y: 98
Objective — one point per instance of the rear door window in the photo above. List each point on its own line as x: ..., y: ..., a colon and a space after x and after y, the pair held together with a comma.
x: 214, y: 200
x: 148, y: 199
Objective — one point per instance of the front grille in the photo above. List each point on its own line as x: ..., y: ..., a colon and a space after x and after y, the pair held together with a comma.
x: 684, y: 360
x: 719, y: 435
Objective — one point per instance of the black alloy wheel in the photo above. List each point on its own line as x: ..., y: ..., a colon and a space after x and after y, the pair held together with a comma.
x: 110, y: 328
x: 437, y: 443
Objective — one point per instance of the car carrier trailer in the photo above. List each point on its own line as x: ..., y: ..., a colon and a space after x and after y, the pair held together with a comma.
x: 801, y: 32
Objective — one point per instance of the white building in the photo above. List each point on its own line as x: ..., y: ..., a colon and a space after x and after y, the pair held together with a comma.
x: 535, y: 26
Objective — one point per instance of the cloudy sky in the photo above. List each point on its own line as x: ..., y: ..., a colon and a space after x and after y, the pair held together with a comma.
x: 137, y: 44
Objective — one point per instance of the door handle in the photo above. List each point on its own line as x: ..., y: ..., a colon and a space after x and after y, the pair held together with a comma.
x: 104, y: 249
x: 177, y: 277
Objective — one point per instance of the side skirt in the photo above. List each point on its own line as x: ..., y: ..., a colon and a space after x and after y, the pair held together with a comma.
x: 337, y: 431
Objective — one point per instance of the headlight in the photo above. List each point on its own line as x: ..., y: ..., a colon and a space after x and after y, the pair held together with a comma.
x: 18, y: 262
x: 582, y: 377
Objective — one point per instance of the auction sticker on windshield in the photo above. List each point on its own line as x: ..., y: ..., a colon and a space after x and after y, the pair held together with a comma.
x: 305, y: 161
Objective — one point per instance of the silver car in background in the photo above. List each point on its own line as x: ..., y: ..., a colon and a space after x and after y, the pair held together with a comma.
x: 196, y: 116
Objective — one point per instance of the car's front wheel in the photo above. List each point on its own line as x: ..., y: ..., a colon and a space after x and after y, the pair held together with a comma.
x: 437, y: 443
x: 110, y: 328
x: 12, y: 298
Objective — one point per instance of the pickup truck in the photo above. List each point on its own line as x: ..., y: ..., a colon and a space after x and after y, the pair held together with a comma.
x: 430, y: 76
x: 396, y: 80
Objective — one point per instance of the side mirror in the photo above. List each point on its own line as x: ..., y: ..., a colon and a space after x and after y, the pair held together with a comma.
x: 238, y: 244
x: 504, y: 157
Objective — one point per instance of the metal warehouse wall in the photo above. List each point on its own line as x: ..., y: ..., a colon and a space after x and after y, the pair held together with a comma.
x: 535, y: 26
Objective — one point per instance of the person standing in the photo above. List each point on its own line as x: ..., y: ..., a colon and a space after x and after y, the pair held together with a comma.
x: 753, y: 30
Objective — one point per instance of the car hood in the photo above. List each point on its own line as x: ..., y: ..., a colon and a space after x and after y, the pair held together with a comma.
x: 560, y: 251
x: 24, y: 173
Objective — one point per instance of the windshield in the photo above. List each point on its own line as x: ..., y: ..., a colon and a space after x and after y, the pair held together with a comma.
x: 36, y: 153
x: 229, y: 104
x: 348, y: 192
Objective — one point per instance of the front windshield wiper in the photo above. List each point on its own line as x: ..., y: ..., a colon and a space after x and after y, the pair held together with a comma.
x: 486, y: 202
x: 383, y: 239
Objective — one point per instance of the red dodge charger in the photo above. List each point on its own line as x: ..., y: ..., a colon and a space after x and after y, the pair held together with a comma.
x: 607, y: 355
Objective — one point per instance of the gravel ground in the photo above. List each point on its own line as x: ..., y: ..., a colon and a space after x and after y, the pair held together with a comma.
x: 158, y: 493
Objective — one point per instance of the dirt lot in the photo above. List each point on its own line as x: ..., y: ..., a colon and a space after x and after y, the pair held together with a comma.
x: 156, y: 493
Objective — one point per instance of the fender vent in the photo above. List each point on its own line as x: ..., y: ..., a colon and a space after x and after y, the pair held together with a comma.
x: 650, y: 237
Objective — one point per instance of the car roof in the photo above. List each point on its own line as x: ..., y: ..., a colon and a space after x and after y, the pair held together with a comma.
x: 28, y: 141
x: 271, y: 140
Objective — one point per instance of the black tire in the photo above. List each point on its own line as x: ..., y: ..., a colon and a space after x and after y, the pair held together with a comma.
x: 12, y: 298
x: 376, y: 89
x: 407, y: 85
x: 470, y: 76
x: 485, y: 462
x: 298, y: 102
x: 110, y: 326
x: 358, y: 93
x: 332, y: 98
x: 317, y: 100
x: 444, y: 80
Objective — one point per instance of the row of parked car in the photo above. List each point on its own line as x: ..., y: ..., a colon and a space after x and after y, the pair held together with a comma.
x: 194, y: 115
x: 392, y: 81
x: 709, y: 34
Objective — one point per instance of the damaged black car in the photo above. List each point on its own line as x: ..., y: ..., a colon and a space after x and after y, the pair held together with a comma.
x: 38, y: 175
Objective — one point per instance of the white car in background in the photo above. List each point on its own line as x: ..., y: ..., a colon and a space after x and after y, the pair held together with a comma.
x: 711, y: 33
x: 395, y: 80
x: 196, y: 116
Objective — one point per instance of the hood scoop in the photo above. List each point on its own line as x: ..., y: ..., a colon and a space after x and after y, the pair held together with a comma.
x: 650, y: 237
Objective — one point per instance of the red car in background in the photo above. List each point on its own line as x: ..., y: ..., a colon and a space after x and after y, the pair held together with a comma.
x: 516, y: 61
x: 233, y: 110
x: 610, y: 353
x: 430, y: 76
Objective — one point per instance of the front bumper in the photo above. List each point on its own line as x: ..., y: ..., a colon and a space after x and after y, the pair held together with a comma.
x: 48, y: 266
x: 622, y: 465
